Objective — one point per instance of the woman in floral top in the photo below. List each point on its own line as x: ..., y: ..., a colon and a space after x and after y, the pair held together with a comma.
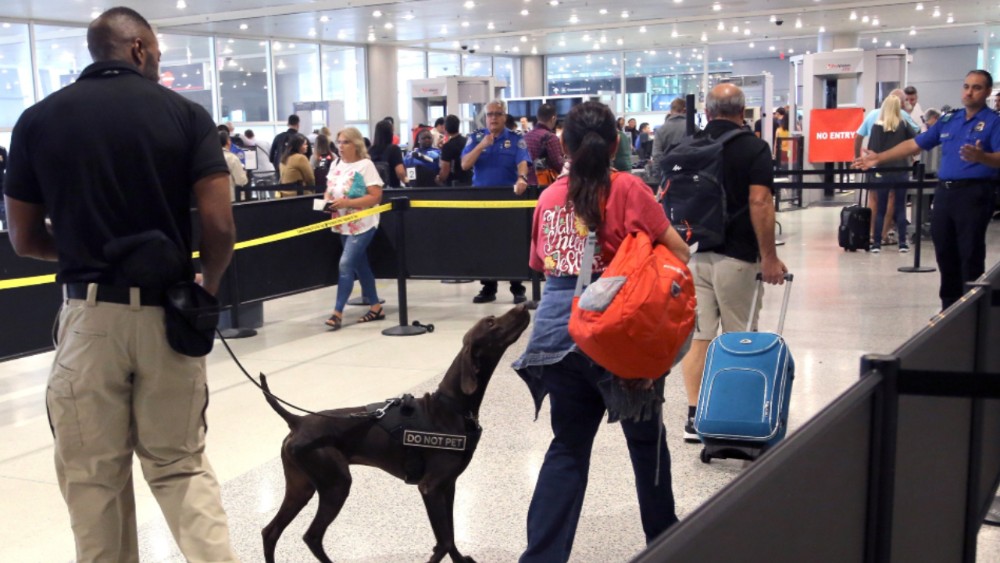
x: 353, y: 185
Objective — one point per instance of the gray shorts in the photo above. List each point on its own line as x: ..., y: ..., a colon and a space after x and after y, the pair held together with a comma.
x: 724, y: 287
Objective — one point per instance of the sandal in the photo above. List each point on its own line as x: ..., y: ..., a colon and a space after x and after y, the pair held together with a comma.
x: 372, y: 315
x: 335, y: 322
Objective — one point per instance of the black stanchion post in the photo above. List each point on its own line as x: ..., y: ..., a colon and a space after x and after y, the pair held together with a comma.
x: 234, y: 330
x: 536, y: 283
x: 918, y: 219
x: 401, y: 205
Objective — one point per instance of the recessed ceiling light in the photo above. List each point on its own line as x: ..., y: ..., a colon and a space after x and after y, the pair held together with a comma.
x: 408, y: 16
x: 642, y: 29
x: 516, y: 49
x: 721, y: 26
x: 604, y: 39
x: 865, y: 18
x: 476, y: 46
x: 324, y: 19
x: 913, y: 31
x: 597, y: 46
x: 551, y: 3
x: 791, y: 50
x: 562, y: 42
x: 377, y: 14
x: 181, y: 4
x: 620, y: 41
x: 312, y: 32
x: 371, y: 37
x: 469, y: 4
x: 774, y: 19
x: 490, y: 26
x: 798, y: 23
x: 673, y: 34
x: 853, y: 16
x: 875, y: 21
x: 951, y: 19
x: 525, y: 12
x: 771, y: 48
x: 444, y: 30
x: 388, y: 25
x: 822, y: 29
x: 704, y: 36
x: 524, y: 39
x: 586, y: 37
x: 95, y: 14
x: 751, y: 45
x: 874, y: 39
x: 902, y: 45
x: 534, y: 50
x: 919, y: 7
x: 936, y: 13
x: 625, y: 13
x: 465, y: 24
x: 716, y: 7
x: 6, y: 25
x: 603, y: 11
x: 888, y: 43
x: 736, y: 29
x: 746, y: 31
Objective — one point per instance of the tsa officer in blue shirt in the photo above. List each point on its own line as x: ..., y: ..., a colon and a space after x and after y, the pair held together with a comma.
x: 963, y: 200
x: 497, y: 157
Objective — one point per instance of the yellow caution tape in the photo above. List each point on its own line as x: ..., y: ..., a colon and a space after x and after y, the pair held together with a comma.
x: 426, y: 204
x: 469, y: 204
x: 25, y: 282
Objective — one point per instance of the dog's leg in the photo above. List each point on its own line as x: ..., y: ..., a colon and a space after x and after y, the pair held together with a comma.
x: 331, y: 473
x: 298, y: 491
x: 439, y: 503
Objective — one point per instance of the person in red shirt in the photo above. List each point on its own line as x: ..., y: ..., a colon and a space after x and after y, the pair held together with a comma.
x: 615, y: 205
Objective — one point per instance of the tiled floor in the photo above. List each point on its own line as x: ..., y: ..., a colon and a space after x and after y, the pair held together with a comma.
x: 842, y: 306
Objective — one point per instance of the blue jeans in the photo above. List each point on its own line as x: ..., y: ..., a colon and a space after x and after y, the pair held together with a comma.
x: 354, y: 263
x: 882, y: 196
x: 577, y: 411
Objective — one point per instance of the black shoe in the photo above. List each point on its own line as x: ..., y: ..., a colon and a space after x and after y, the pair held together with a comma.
x: 689, y: 434
x: 519, y: 298
x: 484, y: 298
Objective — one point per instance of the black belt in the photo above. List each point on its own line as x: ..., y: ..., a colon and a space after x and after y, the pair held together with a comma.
x: 115, y: 294
x: 952, y: 184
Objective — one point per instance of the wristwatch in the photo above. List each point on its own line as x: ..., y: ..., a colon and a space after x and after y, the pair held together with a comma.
x: 524, y: 177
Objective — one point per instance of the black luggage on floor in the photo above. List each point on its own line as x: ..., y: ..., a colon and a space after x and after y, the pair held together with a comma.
x: 855, y: 226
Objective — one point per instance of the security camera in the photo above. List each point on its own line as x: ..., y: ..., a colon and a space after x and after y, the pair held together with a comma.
x: 779, y: 22
x: 465, y: 47
x: 472, y: 51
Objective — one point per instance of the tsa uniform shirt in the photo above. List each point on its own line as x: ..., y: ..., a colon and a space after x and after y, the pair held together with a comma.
x: 497, y: 165
x: 952, y: 131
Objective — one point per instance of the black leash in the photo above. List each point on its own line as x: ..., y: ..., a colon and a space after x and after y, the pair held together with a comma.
x: 261, y: 387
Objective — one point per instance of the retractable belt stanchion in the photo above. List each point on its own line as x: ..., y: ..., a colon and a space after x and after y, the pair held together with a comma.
x: 918, y: 219
x: 234, y: 330
x: 536, y: 283
x: 401, y: 205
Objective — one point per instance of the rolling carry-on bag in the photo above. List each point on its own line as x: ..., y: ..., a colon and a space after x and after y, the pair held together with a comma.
x: 855, y: 226
x: 745, y: 390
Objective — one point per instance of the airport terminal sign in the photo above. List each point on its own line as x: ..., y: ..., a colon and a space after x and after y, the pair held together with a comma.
x: 832, y: 134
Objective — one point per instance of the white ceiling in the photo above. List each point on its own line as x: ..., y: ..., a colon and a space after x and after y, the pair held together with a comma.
x: 571, y: 26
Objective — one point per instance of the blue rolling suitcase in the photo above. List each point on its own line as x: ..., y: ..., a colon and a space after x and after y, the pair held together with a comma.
x: 745, y: 390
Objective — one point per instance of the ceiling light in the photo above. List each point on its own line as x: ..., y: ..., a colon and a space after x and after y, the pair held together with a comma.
x: 913, y: 31
x: 524, y: 12
x: 936, y: 13
x: 790, y: 51
x: 562, y: 42
x: 864, y: 18
x: 377, y: 14
x: 444, y: 30
x: 919, y: 7
x: 534, y: 50
x: 721, y: 26
x: 673, y: 34
x: 465, y: 24
x: 341, y: 35
x: 888, y: 43
x: 603, y: 11
x: 751, y: 45
x: 476, y: 46
x: 597, y: 46
x: 95, y: 14
x: 798, y: 23
x: 516, y: 49
x: 312, y: 32
x: 771, y: 48
x: 551, y: 3
x: 409, y: 16
x: 704, y: 36
x: 620, y: 41
x: 642, y: 29
x: 719, y: 59
x: 822, y: 29
x: 371, y: 37
x: 625, y: 13
x: 388, y: 25
x: 604, y: 39
x: 902, y: 45
x: 875, y: 21
x: 469, y: 4
x: 244, y: 27
x: 181, y: 4
x: 572, y: 19
x: 736, y: 29
x: 746, y: 31
x: 324, y: 19
x: 874, y: 39
x: 951, y: 19
x: 524, y: 39
x: 774, y: 19
x: 853, y: 16
x: 490, y: 26
x: 716, y: 7
x: 678, y: 1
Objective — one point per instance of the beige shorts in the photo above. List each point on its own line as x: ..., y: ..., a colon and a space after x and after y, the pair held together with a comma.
x: 724, y: 287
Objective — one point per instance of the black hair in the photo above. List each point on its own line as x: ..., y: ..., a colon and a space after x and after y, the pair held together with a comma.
x: 383, y: 135
x: 294, y: 146
x: 511, y: 122
x: 223, y: 137
x: 223, y: 128
x: 984, y: 74
x: 589, y: 134
x: 451, y: 124
x: 111, y: 31
x: 293, y: 119
x: 438, y: 121
x: 546, y: 112
x: 248, y: 133
x: 390, y: 119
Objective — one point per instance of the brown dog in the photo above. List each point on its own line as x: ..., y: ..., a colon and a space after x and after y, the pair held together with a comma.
x: 431, y: 453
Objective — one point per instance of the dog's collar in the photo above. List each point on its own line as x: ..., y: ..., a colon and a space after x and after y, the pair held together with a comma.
x: 454, y: 405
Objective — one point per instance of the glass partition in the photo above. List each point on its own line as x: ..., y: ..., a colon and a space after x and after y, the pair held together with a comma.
x: 410, y: 65
x: 242, y: 66
x: 296, y: 75
x: 583, y: 74
x: 508, y: 69
x: 17, y: 90
x: 62, y: 54
x: 443, y: 64
x: 344, y: 78
x: 186, y: 68
x: 477, y: 65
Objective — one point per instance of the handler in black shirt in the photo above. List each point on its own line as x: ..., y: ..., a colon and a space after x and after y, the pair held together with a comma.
x: 451, y: 157
x: 116, y: 387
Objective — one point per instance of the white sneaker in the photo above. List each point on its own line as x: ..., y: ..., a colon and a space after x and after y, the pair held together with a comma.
x: 876, y: 250
x: 904, y: 249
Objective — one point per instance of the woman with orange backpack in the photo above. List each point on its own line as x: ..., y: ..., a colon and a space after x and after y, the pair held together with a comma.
x: 590, y: 198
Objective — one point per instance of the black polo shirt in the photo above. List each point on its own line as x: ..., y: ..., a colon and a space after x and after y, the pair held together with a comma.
x: 747, y: 162
x: 111, y: 155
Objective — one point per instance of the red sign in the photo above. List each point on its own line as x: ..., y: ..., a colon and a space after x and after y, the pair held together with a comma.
x: 831, y: 134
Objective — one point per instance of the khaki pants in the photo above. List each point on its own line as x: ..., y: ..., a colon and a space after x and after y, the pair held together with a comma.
x: 724, y: 287
x: 116, y: 388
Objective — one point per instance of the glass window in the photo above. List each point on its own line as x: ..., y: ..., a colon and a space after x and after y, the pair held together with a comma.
x: 508, y: 69
x: 16, y: 81
x: 583, y: 74
x: 243, y: 68
x: 296, y: 75
x: 477, y: 65
x: 442, y: 64
x: 410, y: 65
x: 344, y: 79
x: 186, y: 68
x: 62, y: 54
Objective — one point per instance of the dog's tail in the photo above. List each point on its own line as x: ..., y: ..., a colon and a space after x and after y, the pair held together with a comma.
x: 291, y: 419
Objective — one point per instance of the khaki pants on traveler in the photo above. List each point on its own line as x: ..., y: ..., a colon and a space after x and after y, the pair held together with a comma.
x: 116, y: 388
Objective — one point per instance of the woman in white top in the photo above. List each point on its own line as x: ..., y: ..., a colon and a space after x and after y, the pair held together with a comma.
x: 353, y: 184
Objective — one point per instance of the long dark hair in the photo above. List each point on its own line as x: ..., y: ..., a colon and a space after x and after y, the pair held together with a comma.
x: 383, y: 135
x: 294, y: 146
x: 589, y: 134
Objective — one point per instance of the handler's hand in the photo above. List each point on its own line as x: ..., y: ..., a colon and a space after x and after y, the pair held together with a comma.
x: 867, y: 160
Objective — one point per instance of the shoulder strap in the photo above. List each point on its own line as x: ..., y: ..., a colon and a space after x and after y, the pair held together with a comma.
x: 730, y: 135
x: 589, y: 251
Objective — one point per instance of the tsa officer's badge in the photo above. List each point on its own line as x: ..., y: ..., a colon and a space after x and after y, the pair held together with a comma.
x: 506, y: 144
x: 980, y: 126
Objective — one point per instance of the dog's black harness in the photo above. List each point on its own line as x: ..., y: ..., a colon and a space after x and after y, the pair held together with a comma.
x: 407, y: 421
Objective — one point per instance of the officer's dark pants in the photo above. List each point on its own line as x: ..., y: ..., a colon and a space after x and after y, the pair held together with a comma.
x: 490, y: 287
x: 958, y: 229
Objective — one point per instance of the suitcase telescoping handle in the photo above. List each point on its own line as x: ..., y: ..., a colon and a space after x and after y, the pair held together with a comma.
x: 784, y: 301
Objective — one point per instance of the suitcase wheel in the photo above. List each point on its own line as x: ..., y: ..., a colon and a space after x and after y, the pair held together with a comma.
x: 705, y: 456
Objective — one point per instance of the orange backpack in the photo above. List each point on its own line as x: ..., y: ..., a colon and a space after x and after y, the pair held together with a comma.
x: 635, y: 319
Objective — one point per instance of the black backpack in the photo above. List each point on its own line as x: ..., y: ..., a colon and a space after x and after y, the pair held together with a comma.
x: 692, y: 191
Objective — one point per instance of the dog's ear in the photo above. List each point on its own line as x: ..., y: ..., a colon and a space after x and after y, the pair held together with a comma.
x: 470, y: 371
